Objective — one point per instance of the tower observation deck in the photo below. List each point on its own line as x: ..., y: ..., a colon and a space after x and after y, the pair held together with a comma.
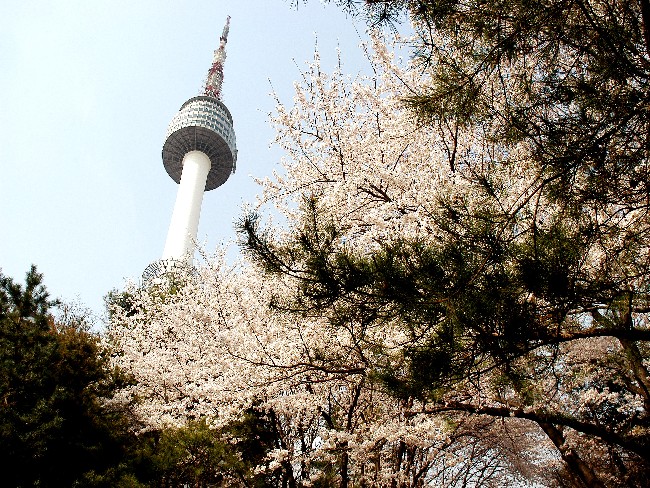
x: 200, y: 154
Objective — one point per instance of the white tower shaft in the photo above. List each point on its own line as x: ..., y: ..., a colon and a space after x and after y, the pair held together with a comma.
x: 184, y: 225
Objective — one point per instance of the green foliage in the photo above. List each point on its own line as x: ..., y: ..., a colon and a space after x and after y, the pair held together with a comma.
x: 192, y: 454
x: 54, y: 379
x: 253, y: 436
x: 123, y: 300
x: 197, y: 454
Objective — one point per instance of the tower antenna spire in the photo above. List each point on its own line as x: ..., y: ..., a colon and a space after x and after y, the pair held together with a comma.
x: 215, y: 74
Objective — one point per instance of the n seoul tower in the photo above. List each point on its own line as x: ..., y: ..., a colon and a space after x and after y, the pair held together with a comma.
x: 199, y: 153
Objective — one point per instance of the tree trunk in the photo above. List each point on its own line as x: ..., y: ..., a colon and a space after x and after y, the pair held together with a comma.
x: 345, y: 461
x: 576, y: 466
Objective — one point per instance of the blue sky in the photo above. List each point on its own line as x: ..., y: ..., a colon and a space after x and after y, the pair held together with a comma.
x: 87, y: 89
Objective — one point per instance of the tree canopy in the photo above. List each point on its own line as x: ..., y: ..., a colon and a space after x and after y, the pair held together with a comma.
x: 57, y: 426
x: 460, y: 294
x: 523, y: 286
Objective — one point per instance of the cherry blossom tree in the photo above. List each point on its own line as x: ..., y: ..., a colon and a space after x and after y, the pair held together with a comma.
x: 518, y: 288
x: 434, y: 310
x: 213, y: 349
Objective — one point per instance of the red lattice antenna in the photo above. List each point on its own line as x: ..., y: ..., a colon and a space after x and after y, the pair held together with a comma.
x: 215, y: 75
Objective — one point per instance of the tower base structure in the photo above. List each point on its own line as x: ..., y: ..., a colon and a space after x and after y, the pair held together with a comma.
x: 169, y: 270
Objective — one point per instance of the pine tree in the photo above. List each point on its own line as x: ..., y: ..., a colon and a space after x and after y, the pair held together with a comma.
x: 524, y: 289
x: 56, y: 428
